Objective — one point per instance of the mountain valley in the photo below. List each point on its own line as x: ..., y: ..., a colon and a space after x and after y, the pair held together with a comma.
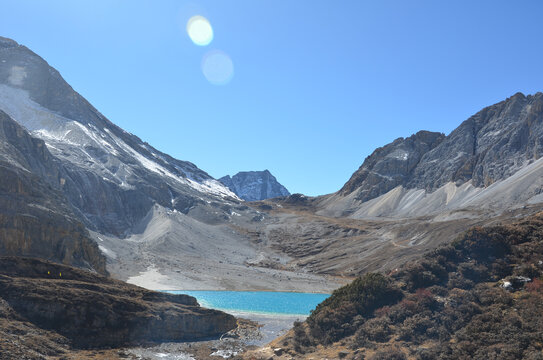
x: 165, y: 223
x: 79, y: 191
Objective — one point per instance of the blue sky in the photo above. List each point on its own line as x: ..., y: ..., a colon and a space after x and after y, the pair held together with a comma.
x: 317, y: 85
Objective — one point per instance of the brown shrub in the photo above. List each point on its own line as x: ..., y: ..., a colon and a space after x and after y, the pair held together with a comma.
x: 376, y: 329
x: 389, y: 354
x: 535, y: 286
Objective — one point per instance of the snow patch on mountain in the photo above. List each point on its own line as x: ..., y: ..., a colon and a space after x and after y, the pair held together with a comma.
x: 100, y: 149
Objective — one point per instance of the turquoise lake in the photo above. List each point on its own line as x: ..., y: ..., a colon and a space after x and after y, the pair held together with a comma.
x: 264, y: 302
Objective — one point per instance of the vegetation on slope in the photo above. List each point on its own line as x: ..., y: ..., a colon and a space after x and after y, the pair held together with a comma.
x: 480, y: 297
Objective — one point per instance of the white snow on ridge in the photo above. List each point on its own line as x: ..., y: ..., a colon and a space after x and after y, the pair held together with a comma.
x: 399, y: 155
x: 146, y: 163
x: 61, y: 134
x: 215, y: 187
x: 18, y: 105
x: 207, y: 186
x: 98, y: 137
x: 107, y: 252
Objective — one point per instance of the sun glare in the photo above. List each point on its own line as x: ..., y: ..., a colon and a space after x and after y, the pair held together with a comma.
x: 200, y: 30
x: 217, y: 67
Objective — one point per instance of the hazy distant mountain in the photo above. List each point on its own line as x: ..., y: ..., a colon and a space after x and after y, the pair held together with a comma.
x: 254, y: 185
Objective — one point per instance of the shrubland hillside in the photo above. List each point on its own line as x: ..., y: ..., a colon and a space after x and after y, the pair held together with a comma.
x: 479, y: 297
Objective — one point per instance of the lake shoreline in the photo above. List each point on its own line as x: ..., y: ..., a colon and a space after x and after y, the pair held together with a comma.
x: 258, y: 303
x: 217, y: 276
x: 260, y: 331
x: 250, y: 290
x: 255, y: 328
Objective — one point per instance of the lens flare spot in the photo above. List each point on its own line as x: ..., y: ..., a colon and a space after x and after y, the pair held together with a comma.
x: 200, y: 30
x: 217, y: 67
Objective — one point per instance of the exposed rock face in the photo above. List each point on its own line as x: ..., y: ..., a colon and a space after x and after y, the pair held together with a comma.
x: 111, y: 177
x: 490, y: 146
x: 93, y: 311
x: 35, y: 218
x: 254, y: 185
x: 391, y: 165
x: 170, y: 213
x: 20, y: 339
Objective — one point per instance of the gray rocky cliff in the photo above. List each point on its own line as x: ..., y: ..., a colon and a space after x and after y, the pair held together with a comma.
x: 391, y: 165
x: 254, y: 185
x: 489, y: 146
x: 35, y: 217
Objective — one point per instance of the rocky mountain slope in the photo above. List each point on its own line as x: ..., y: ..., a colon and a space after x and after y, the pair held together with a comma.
x: 35, y: 218
x: 112, y: 177
x: 50, y: 311
x: 491, y: 160
x: 391, y: 165
x: 254, y: 185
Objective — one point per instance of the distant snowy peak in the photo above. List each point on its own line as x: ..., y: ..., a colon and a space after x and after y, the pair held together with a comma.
x: 254, y: 185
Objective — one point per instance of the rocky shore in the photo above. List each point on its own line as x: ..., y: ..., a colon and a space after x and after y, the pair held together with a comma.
x: 49, y: 310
